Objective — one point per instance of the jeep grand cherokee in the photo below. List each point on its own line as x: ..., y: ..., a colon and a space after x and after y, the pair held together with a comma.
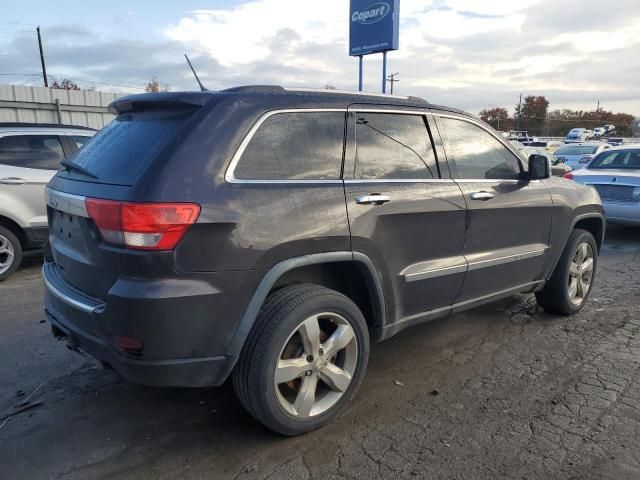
x: 269, y: 234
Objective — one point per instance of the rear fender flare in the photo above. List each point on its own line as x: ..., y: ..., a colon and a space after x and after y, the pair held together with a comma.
x: 270, y: 278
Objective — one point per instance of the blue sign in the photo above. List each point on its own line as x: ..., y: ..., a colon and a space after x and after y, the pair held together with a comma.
x: 373, y: 26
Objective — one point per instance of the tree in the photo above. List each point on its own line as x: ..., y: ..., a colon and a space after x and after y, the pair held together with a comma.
x: 328, y: 86
x: 65, y: 84
x: 533, y: 116
x: 497, y: 117
x: 154, y: 86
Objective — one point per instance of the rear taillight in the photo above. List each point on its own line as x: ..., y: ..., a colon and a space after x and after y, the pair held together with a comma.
x: 142, y: 226
x: 568, y: 176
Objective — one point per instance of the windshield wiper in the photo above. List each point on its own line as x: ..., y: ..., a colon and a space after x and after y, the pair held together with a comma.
x: 73, y: 166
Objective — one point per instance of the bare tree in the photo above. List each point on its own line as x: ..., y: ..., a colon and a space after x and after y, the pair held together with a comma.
x: 328, y: 86
x: 65, y: 84
x: 154, y: 86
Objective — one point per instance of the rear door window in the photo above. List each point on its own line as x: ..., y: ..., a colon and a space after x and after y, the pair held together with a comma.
x: 127, y: 146
x: 393, y: 146
x: 31, y: 151
x: 476, y: 154
x: 295, y: 146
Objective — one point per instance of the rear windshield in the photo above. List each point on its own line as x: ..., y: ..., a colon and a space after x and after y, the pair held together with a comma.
x: 628, y: 159
x: 578, y: 150
x: 125, y: 147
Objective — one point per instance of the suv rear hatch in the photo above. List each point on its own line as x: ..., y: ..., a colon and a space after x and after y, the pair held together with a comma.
x: 87, y: 201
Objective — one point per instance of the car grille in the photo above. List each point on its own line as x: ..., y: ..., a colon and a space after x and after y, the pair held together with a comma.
x: 622, y: 193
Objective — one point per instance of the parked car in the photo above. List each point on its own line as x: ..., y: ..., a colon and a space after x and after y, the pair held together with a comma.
x: 30, y: 154
x: 609, y: 129
x: 589, y: 134
x: 268, y: 234
x: 576, y: 135
x: 579, y: 154
x: 558, y: 168
x: 615, y: 141
x: 599, y: 132
x: 615, y: 174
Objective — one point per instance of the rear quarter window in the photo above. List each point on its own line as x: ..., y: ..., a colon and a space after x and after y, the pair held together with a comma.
x: 294, y: 146
x: 127, y: 146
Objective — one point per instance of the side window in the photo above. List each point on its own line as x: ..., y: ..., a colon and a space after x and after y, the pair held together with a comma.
x: 80, y: 141
x: 295, y: 146
x: 475, y: 153
x: 31, y: 151
x: 393, y: 146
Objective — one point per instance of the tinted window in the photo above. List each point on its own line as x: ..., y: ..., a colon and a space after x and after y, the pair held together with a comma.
x: 295, y: 146
x: 393, y: 146
x: 31, y: 151
x: 126, y: 146
x: 617, y: 159
x: 80, y: 141
x: 476, y: 153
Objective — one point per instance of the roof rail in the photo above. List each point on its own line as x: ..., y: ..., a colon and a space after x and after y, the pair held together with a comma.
x: 44, y: 125
x: 255, y: 89
x: 348, y: 92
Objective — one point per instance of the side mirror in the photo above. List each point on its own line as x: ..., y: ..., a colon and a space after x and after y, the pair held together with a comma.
x: 539, y: 167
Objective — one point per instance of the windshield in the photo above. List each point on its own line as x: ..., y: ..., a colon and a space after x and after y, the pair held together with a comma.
x: 577, y: 150
x: 627, y: 159
x: 125, y: 147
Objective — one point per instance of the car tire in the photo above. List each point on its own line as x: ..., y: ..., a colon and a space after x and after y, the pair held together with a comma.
x: 10, y: 253
x: 571, y: 283
x: 281, y: 345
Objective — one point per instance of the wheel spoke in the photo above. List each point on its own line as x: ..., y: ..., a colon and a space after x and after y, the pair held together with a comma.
x: 573, y: 289
x: 338, y: 340
x: 580, y: 288
x: 574, y: 271
x: 306, y: 397
x: 290, y: 369
x: 310, y: 333
x: 336, y: 378
x: 587, y: 265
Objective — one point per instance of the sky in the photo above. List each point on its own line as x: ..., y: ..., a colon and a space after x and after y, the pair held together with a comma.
x: 468, y: 54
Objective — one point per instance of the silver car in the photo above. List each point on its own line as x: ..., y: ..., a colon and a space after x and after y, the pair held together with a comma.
x: 30, y: 154
x: 615, y: 174
x: 577, y: 155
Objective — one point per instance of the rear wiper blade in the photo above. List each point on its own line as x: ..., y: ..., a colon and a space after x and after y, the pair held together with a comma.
x: 73, y: 166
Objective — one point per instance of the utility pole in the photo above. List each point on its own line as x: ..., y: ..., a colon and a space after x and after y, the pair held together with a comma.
x: 391, y: 79
x: 519, y: 112
x: 44, y: 68
x: 598, y: 107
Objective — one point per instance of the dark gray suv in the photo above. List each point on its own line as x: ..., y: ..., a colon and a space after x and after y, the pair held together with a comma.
x: 269, y: 235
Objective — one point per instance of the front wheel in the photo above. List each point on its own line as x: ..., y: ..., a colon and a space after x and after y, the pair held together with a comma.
x: 304, y: 359
x: 570, y: 285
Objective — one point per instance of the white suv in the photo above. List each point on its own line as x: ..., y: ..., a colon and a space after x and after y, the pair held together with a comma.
x: 30, y: 154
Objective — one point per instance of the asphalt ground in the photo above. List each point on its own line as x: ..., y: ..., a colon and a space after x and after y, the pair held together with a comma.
x: 503, y: 391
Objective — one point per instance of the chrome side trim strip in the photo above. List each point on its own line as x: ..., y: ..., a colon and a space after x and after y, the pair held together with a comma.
x: 229, y: 175
x: 66, y: 202
x: 500, y: 257
x: 434, y: 268
x: 450, y: 265
x: 85, y: 307
x: 399, y: 180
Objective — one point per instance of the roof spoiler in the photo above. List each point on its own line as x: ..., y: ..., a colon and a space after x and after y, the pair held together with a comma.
x: 146, y: 101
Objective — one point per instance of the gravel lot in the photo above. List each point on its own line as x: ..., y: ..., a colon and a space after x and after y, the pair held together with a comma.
x: 504, y: 391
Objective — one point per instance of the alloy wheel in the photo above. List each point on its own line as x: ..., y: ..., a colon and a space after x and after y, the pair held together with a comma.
x: 7, y: 254
x: 580, y: 273
x: 316, y: 365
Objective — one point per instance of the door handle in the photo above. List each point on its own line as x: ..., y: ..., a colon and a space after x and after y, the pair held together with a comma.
x: 372, y: 199
x: 12, y: 181
x: 484, y: 196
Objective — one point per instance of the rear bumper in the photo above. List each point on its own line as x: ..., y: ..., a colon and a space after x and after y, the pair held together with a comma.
x: 36, y: 237
x: 622, y: 213
x: 89, y: 325
x: 185, y: 372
